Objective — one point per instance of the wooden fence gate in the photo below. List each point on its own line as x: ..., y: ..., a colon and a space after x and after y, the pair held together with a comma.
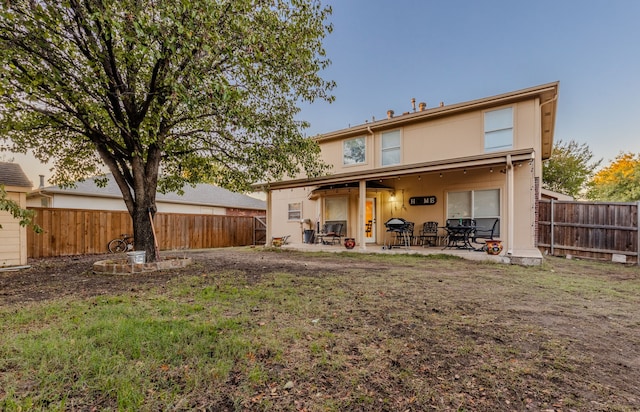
x: 596, y: 230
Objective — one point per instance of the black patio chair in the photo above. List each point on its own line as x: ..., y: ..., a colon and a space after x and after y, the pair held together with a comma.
x: 331, y: 234
x: 429, y: 234
x: 484, y: 233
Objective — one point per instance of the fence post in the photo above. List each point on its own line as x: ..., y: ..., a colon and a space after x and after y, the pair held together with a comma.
x: 551, y: 228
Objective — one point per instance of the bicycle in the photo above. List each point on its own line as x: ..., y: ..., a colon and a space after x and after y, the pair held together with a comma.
x: 121, y: 244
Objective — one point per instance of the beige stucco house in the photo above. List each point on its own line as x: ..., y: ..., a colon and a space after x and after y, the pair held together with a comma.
x: 480, y: 159
x: 13, y: 237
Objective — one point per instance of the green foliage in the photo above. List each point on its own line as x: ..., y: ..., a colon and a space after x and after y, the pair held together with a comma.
x: 201, y: 90
x: 25, y: 216
x: 618, y: 182
x: 569, y: 168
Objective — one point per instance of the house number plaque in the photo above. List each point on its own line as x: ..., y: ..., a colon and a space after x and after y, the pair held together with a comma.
x: 422, y: 200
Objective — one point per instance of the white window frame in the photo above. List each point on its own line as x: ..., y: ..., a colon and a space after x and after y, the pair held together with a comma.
x: 498, y: 129
x: 348, y: 157
x: 294, y: 212
x: 390, y: 149
x: 471, y: 211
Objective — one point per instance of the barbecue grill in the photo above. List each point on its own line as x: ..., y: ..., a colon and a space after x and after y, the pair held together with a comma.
x: 401, y: 233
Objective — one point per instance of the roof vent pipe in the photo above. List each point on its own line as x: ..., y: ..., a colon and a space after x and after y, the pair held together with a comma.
x: 41, y: 181
x: 422, y: 106
x: 389, y: 114
x: 441, y: 104
x: 413, y: 103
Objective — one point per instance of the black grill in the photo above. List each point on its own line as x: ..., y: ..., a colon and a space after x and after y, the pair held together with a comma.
x: 401, y: 231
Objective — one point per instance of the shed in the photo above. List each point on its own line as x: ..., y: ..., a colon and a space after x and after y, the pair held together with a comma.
x: 13, y: 237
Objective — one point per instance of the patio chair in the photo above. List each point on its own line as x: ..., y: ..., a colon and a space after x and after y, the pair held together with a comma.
x: 484, y: 233
x: 429, y: 234
x: 331, y: 234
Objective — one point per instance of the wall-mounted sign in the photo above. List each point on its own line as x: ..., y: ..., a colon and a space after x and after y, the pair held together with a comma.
x: 422, y: 200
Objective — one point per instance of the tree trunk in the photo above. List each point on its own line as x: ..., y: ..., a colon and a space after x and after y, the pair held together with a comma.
x: 143, y: 233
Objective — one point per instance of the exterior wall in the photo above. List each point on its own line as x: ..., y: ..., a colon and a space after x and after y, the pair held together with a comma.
x: 13, y: 237
x: 441, y: 139
x: 278, y: 220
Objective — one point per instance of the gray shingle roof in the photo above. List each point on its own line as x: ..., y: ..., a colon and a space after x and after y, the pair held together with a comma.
x: 11, y: 174
x: 201, y: 194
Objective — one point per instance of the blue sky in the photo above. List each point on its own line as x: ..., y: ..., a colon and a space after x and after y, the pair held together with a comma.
x: 386, y: 52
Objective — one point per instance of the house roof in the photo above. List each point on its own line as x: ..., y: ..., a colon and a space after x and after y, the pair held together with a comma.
x: 546, y: 93
x: 11, y: 174
x: 202, y: 194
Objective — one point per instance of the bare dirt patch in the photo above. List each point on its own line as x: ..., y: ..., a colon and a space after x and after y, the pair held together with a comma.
x: 445, y: 335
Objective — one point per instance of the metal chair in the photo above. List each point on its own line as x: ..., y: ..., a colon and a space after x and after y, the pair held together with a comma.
x: 484, y: 233
x: 429, y: 234
x: 331, y: 234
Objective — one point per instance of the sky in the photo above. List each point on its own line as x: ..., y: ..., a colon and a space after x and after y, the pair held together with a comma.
x: 386, y: 52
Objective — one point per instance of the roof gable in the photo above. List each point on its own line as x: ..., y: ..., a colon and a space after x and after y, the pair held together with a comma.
x: 11, y: 174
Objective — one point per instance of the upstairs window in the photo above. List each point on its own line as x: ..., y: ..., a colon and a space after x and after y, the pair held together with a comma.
x: 498, y: 129
x: 391, y: 148
x: 353, y: 151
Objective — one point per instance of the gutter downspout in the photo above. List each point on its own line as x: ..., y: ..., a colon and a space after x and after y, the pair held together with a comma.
x: 510, y: 205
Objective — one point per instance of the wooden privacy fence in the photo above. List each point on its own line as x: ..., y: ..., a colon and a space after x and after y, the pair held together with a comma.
x: 80, y: 232
x: 606, y: 231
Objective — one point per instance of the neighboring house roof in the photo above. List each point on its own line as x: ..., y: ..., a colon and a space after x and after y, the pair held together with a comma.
x: 549, y: 194
x: 11, y: 174
x: 201, y: 194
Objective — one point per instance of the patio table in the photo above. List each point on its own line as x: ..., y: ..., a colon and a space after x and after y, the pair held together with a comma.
x: 459, y: 236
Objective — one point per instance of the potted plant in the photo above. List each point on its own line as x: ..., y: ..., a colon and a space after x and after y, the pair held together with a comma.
x: 494, y: 247
x: 349, y: 242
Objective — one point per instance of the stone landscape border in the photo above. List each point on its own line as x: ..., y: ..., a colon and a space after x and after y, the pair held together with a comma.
x: 123, y: 267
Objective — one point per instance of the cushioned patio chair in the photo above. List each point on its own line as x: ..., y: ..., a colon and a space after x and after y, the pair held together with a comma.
x: 330, y: 234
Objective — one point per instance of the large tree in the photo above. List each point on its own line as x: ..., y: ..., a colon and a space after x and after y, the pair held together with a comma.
x: 162, y: 93
x: 618, y: 182
x: 569, y: 168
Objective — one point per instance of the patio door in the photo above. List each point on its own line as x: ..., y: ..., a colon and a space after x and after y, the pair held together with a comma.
x: 370, y: 220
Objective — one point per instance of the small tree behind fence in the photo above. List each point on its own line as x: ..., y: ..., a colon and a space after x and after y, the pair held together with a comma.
x: 596, y: 230
x: 80, y: 232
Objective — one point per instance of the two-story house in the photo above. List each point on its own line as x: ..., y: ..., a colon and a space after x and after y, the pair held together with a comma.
x: 480, y: 159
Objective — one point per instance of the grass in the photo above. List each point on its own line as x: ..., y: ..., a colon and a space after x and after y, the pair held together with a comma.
x: 381, y: 333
